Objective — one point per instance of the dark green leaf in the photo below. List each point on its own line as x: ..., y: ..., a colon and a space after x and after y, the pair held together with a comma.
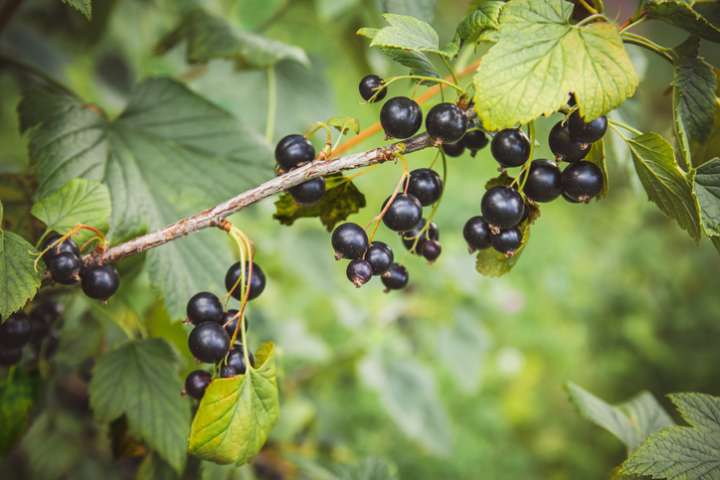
x: 407, y: 33
x: 682, y: 15
x: 342, y: 198
x: 61, y: 434
x: 666, y: 185
x: 83, y: 6
x: 236, y: 414
x: 694, y: 100
x: 716, y: 243
x: 484, y: 16
x: 17, y: 393
x: 153, y: 467
x: 140, y: 380
x: 707, y: 191
x: 209, y: 37
x: 698, y: 409
x: 18, y: 276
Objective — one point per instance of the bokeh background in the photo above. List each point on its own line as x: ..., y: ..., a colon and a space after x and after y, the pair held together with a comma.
x: 460, y: 376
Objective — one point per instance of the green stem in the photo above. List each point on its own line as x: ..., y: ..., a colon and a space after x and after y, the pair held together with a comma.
x: 648, y: 44
x: 24, y: 67
x: 588, y: 7
x: 271, y: 104
x: 524, y: 172
x: 425, y: 79
x: 625, y: 126
x: 449, y: 68
x: 436, y: 205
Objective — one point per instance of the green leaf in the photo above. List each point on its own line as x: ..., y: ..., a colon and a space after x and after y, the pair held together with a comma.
x: 209, y: 37
x: 682, y: 15
x: 417, y: 62
x: 666, y: 185
x: 166, y: 135
x: 464, y: 342
x: 153, y: 467
x: 541, y: 56
x: 483, y: 17
x: 598, y: 157
x: 18, y: 277
x: 687, y: 453
x: 345, y: 124
x: 707, y: 190
x: 631, y: 422
x: 236, y: 414
x: 341, y: 199
x: 716, y: 243
x: 78, y: 201
x: 61, y: 434
x: 83, y: 6
x: 140, y: 380
x: 371, y: 468
x: 694, y: 101
x: 17, y: 394
x: 422, y: 9
x: 407, y: 33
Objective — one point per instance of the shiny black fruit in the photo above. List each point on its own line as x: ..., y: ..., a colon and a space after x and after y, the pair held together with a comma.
x: 292, y: 150
x: 511, y: 147
x: 564, y: 147
x: 372, y: 85
x: 426, y: 185
x: 349, y: 240
x: 582, y: 181
x: 477, y: 233
x: 543, y: 182
x: 395, y: 278
x: 257, y: 280
x: 502, y: 207
x: 400, y: 117
x: 308, y: 192
x: 380, y: 257
x: 507, y: 241
x: 196, y: 382
x: 404, y: 212
x: 100, y: 282
x: 587, y: 132
x: 447, y: 122
x: 359, y: 272
x: 204, y: 307
x: 209, y: 342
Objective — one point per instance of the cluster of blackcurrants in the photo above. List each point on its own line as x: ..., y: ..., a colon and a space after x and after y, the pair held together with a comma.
x: 34, y: 329
x: 503, y: 207
x: 65, y: 265
x: 210, y: 339
x: 293, y: 151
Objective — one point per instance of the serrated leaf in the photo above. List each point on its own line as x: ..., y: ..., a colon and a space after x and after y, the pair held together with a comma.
x: 665, y: 184
x: 682, y: 15
x: 166, y: 135
x: 236, y: 414
x: 422, y: 9
x: 140, y: 380
x: 707, y: 190
x: 344, y: 124
x: 631, y: 422
x: 597, y: 156
x: 698, y: 409
x: 484, y: 16
x: 407, y: 33
x: 209, y: 37
x: 78, y: 201
x: 341, y: 199
x: 694, y: 101
x: 417, y: 62
x: 82, y: 6
x: 541, y: 56
x: 17, y: 393
x: 18, y: 277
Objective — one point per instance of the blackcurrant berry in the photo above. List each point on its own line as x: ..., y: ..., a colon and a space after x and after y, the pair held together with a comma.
x: 100, y: 282
x: 507, y: 241
x: 16, y: 331
x: 64, y: 268
x: 226, y: 371
x: 395, y: 278
x: 308, y: 192
x: 408, y: 237
x: 9, y: 356
x: 292, y: 150
x: 257, y: 280
x: 543, y: 181
x: 475, y: 140
x: 230, y: 320
x: 431, y: 250
x: 196, y: 382
x: 446, y: 121
x: 587, y: 132
x: 569, y: 199
x: 425, y: 185
x: 564, y: 146
x: 582, y: 181
x: 236, y: 359
x: 349, y: 240
x: 372, y: 85
x: 400, y: 117
x: 511, y: 147
x: 204, y: 307
x: 502, y: 207
x: 403, y: 214
x: 380, y: 257
x: 477, y: 233
x: 454, y: 149
x: 209, y: 342
x: 66, y: 246
x: 359, y: 272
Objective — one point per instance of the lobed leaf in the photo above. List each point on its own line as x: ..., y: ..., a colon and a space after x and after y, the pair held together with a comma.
x: 698, y: 409
x: 484, y: 16
x: 417, y: 62
x: 706, y: 187
x: 18, y: 277
x: 407, y: 33
x: 682, y: 15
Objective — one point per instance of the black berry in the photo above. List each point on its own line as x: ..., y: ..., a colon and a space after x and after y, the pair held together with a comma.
x: 236, y: 361
x: 404, y: 212
x: 395, y: 278
x: 230, y: 320
x: 582, y: 181
x: 507, y: 241
x: 257, y: 280
x: 400, y: 117
x: 196, y: 382
x: 477, y: 233
x: 204, y: 307
x: 226, y: 371
x: 475, y: 140
x: 425, y: 185
x: 372, y: 85
x: 502, y: 207
x: 64, y: 268
x: 454, y: 149
x: 587, y: 132
x: 359, y: 272
x: 293, y: 150
x: 308, y: 192
x: 66, y: 246
x: 511, y: 147
x: 564, y: 146
x: 16, y: 331
x: 349, y: 240
x: 543, y: 181
x: 431, y: 250
x: 380, y: 257
x: 446, y: 121
x: 100, y: 282
x: 9, y: 356
x: 209, y: 342
x: 408, y: 237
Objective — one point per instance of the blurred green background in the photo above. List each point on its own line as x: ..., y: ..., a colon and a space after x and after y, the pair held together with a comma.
x: 460, y: 376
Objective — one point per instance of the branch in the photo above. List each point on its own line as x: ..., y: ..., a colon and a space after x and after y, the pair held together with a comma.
x: 214, y: 216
